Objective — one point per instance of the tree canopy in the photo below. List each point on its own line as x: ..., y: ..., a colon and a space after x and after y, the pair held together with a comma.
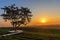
x: 16, y: 15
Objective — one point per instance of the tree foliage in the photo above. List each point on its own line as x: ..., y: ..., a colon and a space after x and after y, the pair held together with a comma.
x: 16, y: 16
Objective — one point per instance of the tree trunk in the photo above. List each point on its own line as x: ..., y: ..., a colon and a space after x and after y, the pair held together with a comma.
x: 15, y: 27
x: 18, y: 26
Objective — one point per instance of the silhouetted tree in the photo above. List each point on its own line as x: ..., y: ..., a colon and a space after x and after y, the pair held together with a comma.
x: 16, y: 16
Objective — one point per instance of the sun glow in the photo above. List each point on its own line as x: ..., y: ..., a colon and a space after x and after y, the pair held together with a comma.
x: 43, y: 20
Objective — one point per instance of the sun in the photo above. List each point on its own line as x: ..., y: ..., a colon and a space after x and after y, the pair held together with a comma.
x: 43, y: 20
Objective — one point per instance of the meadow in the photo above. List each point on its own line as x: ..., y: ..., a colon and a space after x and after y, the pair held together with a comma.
x: 33, y: 33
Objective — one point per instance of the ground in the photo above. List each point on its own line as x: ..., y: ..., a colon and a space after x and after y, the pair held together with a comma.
x: 32, y: 33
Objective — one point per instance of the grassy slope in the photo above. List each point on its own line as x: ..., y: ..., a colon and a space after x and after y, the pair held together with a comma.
x: 31, y: 33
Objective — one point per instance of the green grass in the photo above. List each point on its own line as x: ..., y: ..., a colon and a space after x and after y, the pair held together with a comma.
x: 31, y: 33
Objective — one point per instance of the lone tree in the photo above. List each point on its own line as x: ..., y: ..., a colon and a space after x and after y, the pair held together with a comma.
x: 16, y: 16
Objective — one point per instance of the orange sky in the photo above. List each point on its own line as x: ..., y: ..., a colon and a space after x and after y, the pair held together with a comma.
x: 33, y: 22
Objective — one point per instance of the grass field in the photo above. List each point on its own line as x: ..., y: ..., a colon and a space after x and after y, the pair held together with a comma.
x: 32, y: 33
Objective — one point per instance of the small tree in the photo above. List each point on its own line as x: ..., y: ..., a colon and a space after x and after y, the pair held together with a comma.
x: 16, y: 16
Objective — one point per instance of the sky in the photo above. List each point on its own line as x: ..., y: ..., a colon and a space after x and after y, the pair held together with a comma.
x: 48, y: 9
